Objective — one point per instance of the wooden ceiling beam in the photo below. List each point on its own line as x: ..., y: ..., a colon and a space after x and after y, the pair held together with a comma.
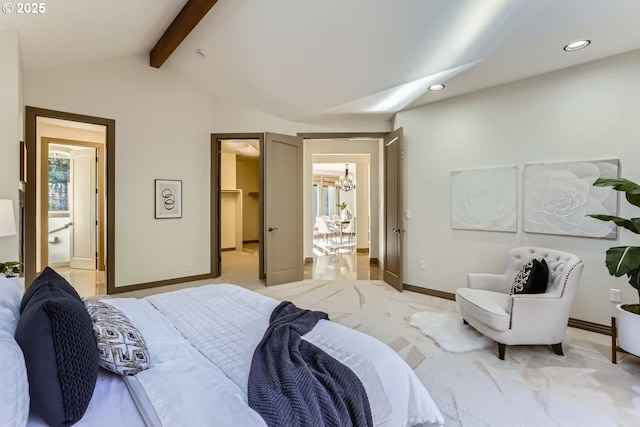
x: 192, y: 12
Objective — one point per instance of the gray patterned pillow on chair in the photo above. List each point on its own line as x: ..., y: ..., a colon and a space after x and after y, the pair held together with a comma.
x: 121, y: 347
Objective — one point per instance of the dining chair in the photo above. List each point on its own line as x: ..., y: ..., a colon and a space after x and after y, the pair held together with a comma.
x: 323, y: 228
x: 350, y: 230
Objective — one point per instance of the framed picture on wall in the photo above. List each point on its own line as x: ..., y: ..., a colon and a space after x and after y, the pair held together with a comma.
x: 484, y: 199
x: 559, y: 196
x: 168, y: 198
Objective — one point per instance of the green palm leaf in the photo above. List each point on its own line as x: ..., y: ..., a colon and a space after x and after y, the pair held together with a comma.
x: 632, y: 224
x: 623, y: 260
x: 631, y: 189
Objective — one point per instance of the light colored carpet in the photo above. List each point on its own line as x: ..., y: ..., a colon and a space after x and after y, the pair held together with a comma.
x: 448, y: 331
x: 533, y: 387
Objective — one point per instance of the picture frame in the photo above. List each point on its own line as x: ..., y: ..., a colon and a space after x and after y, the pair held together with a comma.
x: 484, y: 199
x: 558, y: 197
x: 168, y: 198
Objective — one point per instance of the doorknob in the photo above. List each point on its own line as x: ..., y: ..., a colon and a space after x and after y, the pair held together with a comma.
x: 395, y: 230
x: 271, y: 228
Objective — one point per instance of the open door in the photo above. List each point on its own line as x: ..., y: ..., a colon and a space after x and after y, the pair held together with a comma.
x: 82, y: 209
x: 283, y: 222
x: 393, y: 227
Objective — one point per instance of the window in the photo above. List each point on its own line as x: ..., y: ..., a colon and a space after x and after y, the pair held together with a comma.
x: 325, y: 196
x: 59, y: 165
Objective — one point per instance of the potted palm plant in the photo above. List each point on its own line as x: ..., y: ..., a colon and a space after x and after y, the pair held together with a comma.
x: 625, y: 260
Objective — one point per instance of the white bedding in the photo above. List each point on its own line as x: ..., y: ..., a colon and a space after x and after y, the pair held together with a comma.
x: 111, y: 405
x: 201, y: 342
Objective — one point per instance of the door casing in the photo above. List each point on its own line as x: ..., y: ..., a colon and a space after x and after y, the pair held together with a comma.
x: 29, y: 225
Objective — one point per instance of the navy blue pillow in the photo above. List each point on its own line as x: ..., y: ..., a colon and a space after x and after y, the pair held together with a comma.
x: 48, y: 276
x: 56, y: 335
x: 532, y: 278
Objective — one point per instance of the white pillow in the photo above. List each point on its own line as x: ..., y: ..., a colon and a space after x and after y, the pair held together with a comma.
x: 10, y: 296
x: 8, y: 323
x: 14, y: 393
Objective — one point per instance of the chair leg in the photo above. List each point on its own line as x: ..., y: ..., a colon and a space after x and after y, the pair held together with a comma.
x: 557, y: 349
x: 501, y: 349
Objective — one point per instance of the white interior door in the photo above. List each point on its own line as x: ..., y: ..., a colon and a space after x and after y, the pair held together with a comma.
x: 283, y: 223
x: 82, y: 209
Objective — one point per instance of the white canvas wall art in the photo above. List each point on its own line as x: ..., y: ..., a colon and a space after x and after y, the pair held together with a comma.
x: 484, y: 199
x: 558, y: 196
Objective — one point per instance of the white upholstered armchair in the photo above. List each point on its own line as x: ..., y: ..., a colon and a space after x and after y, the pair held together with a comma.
x: 489, y: 307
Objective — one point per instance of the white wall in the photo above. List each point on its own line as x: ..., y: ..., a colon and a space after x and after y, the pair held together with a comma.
x: 10, y: 134
x: 163, y: 124
x: 588, y: 112
x: 163, y: 127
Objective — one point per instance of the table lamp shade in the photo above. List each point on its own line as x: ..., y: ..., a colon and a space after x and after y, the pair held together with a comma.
x: 7, y: 218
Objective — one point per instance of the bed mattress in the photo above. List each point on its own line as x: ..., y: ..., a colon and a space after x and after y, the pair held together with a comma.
x: 201, y: 342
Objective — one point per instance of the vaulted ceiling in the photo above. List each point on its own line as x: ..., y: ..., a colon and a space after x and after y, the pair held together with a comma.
x: 308, y: 59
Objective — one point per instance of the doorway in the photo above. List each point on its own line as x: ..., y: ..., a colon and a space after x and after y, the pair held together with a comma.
x: 354, y: 255
x: 280, y: 204
x: 236, y: 207
x: 68, y: 201
x: 375, y: 234
x: 72, y: 199
x: 240, y: 208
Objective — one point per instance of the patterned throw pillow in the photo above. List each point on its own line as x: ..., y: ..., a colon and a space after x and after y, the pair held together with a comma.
x: 121, y: 347
x: 532, y: 278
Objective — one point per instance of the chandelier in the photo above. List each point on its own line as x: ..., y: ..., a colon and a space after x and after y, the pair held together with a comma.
x: 346, y: 183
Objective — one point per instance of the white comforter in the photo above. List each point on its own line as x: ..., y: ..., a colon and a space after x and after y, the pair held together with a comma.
x: 201, y: 342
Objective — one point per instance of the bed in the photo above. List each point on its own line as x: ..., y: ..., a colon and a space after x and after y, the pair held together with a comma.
x: 200, y: 345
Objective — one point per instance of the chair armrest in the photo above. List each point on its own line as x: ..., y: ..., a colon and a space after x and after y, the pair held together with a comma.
x: 540, y: 315
x: 486, y: 281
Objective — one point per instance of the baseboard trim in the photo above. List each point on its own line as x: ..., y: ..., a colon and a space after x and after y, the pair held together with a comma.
x: 375, y: 261
x: 574, y: 323
x: 148, y: 285
x: 363, y: 250
x: 431, y: 292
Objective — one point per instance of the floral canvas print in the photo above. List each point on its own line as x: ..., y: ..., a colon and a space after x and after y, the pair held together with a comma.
x: 558, y: 196
x: 484, y: 199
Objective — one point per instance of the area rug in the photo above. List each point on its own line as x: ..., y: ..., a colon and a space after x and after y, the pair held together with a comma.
x: 448, y: 331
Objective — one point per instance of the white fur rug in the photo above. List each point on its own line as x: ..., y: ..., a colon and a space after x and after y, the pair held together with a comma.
x: 448, y: 331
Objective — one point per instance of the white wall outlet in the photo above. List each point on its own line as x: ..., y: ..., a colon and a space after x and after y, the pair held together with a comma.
x: 422, y: 264
x: 189, y: 268
x: 407, y: 214
x: 614, y: 295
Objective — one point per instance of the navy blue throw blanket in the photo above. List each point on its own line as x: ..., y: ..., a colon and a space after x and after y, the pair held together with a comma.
x: 294, y: 383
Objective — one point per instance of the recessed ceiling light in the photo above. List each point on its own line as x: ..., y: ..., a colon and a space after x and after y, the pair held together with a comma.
x: 580, y: 44
x: 436, y: 87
